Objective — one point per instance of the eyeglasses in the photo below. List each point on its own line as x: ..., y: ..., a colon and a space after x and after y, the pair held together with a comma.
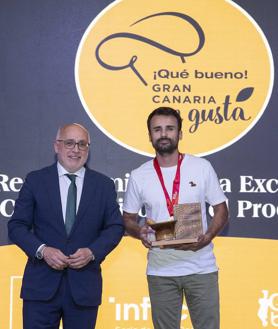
x: 70, y: 144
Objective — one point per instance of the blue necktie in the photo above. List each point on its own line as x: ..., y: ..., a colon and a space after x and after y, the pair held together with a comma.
x: 71, y: 204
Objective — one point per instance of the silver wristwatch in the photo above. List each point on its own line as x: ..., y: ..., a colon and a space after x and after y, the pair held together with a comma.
x: 39, y: 253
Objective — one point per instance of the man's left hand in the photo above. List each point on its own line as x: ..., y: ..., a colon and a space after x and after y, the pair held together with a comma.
x: 203, y: 240
x: 80, y: 258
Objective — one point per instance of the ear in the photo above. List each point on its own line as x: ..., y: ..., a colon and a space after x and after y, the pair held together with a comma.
x: 55, y: 147
x: 150, y: 138
x: 180, y: 135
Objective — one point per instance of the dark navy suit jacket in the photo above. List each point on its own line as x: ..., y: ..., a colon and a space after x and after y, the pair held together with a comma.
x: 38, y: 219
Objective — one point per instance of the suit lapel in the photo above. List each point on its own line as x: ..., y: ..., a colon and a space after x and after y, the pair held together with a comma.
x: 53, y: 194
x: 88, y: 192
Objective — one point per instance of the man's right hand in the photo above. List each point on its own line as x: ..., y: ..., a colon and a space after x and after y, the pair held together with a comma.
x: 55, y: 258
x: 145, y: 230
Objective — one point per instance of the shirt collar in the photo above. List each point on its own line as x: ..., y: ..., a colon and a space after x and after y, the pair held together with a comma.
x: 62, y: 171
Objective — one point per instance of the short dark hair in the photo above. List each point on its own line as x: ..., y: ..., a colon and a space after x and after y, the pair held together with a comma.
x: 165, y: 111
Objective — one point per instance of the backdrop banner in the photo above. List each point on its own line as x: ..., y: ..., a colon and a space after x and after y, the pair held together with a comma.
x: 107, y: 65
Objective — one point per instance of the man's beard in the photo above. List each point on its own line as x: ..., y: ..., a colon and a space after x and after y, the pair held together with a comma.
x: 168, y: 148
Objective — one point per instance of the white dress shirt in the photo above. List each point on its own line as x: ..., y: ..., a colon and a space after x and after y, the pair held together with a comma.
x: 64, y: 183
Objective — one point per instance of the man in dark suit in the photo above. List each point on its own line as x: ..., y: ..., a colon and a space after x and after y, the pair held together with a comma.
x: 66, y: 220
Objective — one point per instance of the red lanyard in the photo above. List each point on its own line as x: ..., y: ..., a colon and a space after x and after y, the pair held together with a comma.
x: 176, y: 184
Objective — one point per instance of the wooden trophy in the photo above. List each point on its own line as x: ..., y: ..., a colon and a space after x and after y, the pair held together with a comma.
x: 185, y: 227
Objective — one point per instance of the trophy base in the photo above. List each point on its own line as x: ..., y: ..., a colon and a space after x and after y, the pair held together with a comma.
x: 173, y: 242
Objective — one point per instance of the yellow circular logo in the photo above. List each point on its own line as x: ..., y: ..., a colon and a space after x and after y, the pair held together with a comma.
x: 209, y: 60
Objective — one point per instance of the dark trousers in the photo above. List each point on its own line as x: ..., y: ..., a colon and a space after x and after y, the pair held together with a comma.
x: 48, y: 314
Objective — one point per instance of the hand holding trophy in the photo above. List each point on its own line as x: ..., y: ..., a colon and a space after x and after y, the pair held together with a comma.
x: 185, y: 227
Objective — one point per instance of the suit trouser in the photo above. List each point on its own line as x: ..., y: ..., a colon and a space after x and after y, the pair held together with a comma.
x: 202, y: 297
x: 47, y: 314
